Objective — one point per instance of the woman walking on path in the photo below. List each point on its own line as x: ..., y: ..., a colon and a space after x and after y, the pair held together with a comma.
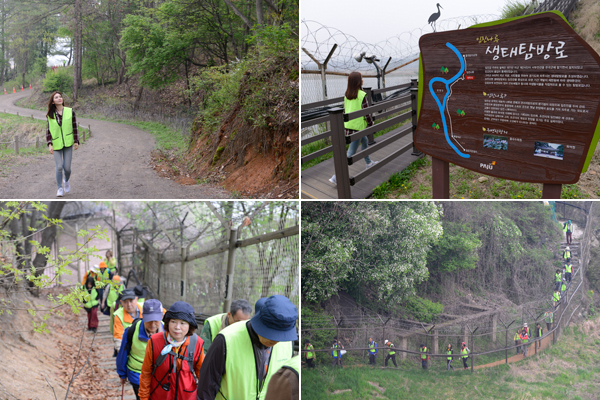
x: 91, y: 303
x: 355, y: 99
x: 61, y: 137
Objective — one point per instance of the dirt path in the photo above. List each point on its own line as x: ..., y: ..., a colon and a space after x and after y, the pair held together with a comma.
x: 113, y: 164
x: 518, y: 357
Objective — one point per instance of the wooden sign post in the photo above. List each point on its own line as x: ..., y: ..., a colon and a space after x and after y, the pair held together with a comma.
x: 517, y: 99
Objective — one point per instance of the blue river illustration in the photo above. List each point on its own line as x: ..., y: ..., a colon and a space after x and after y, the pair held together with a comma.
x: 442, y: 105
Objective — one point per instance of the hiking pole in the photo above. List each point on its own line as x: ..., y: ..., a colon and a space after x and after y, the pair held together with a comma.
x: 122, y: 390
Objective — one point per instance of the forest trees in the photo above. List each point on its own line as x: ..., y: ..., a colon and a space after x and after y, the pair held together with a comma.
x: 379, y: 247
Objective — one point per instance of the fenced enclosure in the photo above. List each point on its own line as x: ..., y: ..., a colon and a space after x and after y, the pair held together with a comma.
x: 220, y: 263
x: 488, y: 333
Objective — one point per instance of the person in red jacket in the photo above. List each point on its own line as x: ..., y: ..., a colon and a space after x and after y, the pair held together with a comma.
x: 179, y: 345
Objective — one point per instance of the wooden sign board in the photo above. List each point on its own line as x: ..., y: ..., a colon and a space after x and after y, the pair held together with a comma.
x: 516, y: 99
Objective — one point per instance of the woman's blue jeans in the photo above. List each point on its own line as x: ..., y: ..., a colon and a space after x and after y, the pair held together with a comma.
x: 354, y: 146
x: 62, y: 159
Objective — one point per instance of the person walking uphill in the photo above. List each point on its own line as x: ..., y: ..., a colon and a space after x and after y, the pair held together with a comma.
x: 133, y: 345
x: 244, y: 356
x: 240, y: 310
x: 91, y: 303
x: 355, y: 99
x: 173, y: 357
x: 124, y: 316
x: 61, y: 137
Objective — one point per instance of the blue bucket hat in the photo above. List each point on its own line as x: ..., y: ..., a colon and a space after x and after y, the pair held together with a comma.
x: 183, y: 311
x: 259, y: 304
x: 152, y: 311
x: 276, y: 319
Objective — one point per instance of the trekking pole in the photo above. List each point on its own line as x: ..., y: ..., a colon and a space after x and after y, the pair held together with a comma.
x: 122, y: 390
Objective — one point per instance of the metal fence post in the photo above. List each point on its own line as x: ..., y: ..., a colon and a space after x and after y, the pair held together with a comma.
x: 340, y: 160
x: 414, y: 100
x: 369, y: 95
x: 233, y: 236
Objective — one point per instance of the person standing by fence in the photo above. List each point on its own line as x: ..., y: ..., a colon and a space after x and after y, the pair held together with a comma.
x: 465, y: 354
x: 524, y: 340
x: 449, y: 352
x: 61, y: 137
x: 549, y: 320
x: 336, y: 353
x: 557, y: 280
x: 538, y: 334
x: 424, y: 356
x: 391, y: 354
x: 372, y: 352
x: 518, y: 339
x: 310, y: 354
x: 355, y: 99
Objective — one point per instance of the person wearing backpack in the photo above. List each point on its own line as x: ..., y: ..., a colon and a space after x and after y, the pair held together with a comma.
x: 240, y: 310
x: 91, y: 303
x: 173, y: 357
x: 133, y: 345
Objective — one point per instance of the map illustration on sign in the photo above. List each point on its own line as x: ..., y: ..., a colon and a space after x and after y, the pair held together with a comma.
x: 518, y: 99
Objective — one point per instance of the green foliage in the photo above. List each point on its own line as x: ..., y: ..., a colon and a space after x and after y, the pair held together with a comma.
x: 380, y: 246
x: 217, y: 155
x: 422, y: 309
x: 274, y: 41
x: 456, y: 249
x: 61, y: 81
x: 513, y: 8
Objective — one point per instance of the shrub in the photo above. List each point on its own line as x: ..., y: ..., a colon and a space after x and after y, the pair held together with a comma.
x: 422, y: 309
x: 59, y: 81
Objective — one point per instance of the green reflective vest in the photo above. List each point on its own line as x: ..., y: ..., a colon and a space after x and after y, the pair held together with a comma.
x: 115, y: 289
x: 540, y: 332
x: 138, y: 350
x: 91, y: 298
x: 356, y: 124
x: 449, y: 352
x: 569, y: 268
x: 62, y: 136
x: 563, y: 287
x: 392, y: 351
x: 567, y: 254
x: 335, y: 352
x: 112, y: 265
x: 215, y: 323
x: 240, y: 380
x: 293, y: 363
x: 119, y: 313
x: 525, y: 339
x: 556, y: 296
x: 423, y: 353
x: 309, y: 354
x: 558, y: 277
x: 372, y: 347
x: 465, y: 352
x: 568, y: 227
x: 550, y: 318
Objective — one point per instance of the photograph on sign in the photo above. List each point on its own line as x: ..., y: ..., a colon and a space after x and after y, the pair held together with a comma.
x: 495, y: 142
x: 549, y: 150
x: 529, y: 81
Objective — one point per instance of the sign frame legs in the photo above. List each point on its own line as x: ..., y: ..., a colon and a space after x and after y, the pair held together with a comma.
x: 440, y: 175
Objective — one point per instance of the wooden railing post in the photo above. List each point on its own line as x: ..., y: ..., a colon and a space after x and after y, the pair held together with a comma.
x: 340, y: 160
x: 440, y: 171
x: 369, y: 93
x: 414, y: 99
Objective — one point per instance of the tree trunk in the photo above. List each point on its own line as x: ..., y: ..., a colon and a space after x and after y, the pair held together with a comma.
x: 77, y: 33
x: 122, y: 56
x: 259, y: 12
x: 48, y: 235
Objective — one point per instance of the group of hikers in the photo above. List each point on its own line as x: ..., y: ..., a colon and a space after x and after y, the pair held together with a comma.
x: 562, y: 278
x: 236, y: 355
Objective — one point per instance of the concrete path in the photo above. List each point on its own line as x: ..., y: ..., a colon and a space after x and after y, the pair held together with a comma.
x: 113, y: 164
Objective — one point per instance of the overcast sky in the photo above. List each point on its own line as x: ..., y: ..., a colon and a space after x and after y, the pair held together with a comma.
x: 376, y: 20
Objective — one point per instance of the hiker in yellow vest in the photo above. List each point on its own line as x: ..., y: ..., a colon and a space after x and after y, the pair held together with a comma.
x: 240, y: 310
x: 124, y: 316
x: 90, y: 303
x: 61, y: 137
x: 423, y: 356
x: 116, y: 287
x: 310, y: 354
x: 449, y: 357
x: 111, y: 262
x: 555, y: 298
x: 524, y: 341
x: 391, y: 354
x: 244, y: 356
x: 517, y: 339
x: 355, y: 99
x: 568, y: 271
x: 133, y: 345
x: 464, y: 351
x: 568, y: 229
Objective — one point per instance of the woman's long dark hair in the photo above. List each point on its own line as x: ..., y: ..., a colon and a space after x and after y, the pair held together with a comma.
x: 354, y: 84
x: 52, y: 106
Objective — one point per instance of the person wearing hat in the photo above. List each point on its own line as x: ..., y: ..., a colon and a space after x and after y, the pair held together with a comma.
x: 285, y: 384
x: 567, y: 254
x: 133, y: 345
x: 243, y: 357
x: 93, y: 272
x: 336, y: 353
x: 424, y: 356
x: 568, y: 229
x: 240, y: 310
x: 309, y: 354
x: 391, y: 354
x: 91, y: 302
x: 173, y: 357
x: 524, y: 341
x: 526, y: 329
x: 139, y: 292
x: 124, y: 316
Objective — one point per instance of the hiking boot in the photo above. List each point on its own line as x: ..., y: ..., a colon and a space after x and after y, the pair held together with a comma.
x: 94, y: 330
x: 333, y: 180
x: 60, y: 192
x: 67, y: 186
x: 369, y: 165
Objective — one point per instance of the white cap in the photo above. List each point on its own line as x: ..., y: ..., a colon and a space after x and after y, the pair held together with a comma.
x: 386, y: 341
x: 568, y: 248
x: 525, y: 324
x: 95, y: 268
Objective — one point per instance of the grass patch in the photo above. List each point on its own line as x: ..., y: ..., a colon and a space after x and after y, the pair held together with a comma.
x: 400, y: 181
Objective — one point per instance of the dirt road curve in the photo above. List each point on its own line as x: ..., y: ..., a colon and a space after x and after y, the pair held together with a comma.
x: 113, y: 164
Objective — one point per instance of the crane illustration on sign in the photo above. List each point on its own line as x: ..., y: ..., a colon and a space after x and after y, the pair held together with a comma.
x: 444, y: 103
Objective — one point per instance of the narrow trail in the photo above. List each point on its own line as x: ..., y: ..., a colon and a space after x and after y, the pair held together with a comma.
x: 113, y: 164
x: 104, y: 346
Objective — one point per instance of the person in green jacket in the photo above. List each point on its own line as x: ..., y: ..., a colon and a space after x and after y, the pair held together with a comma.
x: 449, y: 352
x: 239, y: 310
x: 61, y: 138
x: 90, y: 299
x: 355, y: 99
